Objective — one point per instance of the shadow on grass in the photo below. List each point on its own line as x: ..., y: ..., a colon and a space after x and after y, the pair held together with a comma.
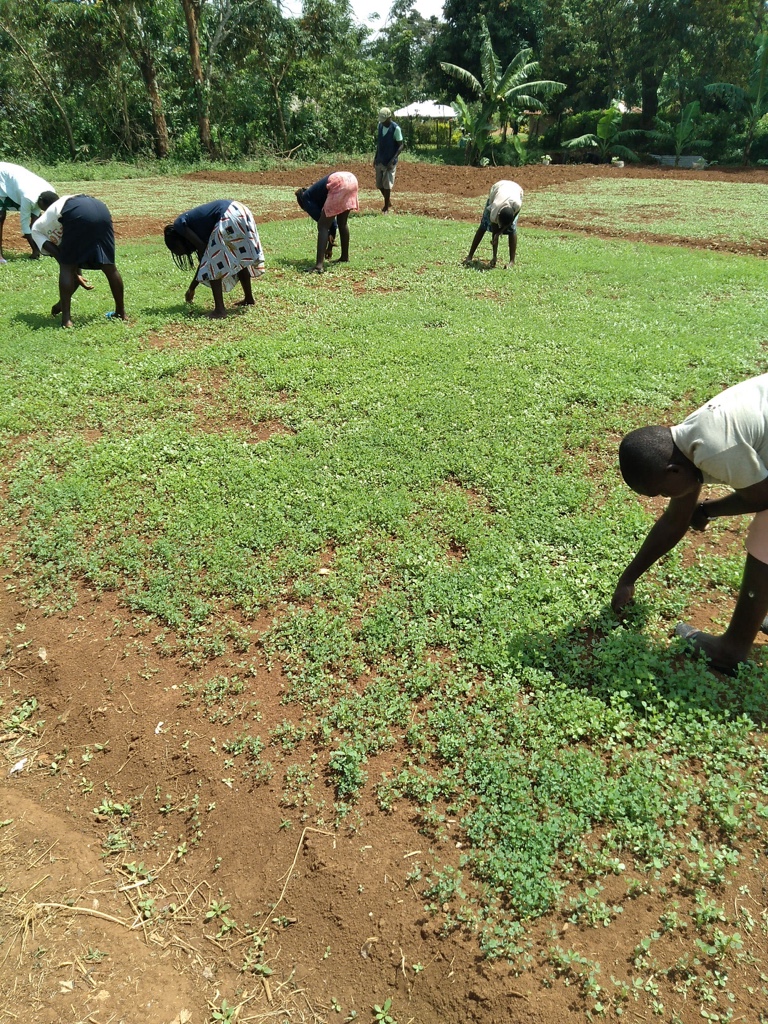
x: 480, y: 265
x: 608, y: 658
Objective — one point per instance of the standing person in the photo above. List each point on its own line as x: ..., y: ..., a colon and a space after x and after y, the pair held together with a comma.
x: 329, y: 202
x: 502, y: 208
x: 389, y: 143
x: 20, y: 190
x: 723, y: 442
x: 224, y: 236
x: 78, y: 232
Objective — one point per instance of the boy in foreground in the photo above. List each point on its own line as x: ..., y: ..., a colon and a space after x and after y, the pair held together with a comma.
x: 723, y: 442
x: 502, y: 208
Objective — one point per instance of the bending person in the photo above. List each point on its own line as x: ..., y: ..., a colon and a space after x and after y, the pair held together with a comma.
x: 78, y: 232
x: 224, y: 237
x: 329, y: 202
x: 502, y: 208
x: 723, y: 442
x: 20, y: 190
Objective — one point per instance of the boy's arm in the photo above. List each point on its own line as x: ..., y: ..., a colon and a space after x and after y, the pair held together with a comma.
x: 475, y: 242
x: 666, y: 532
x: 512, y: 248
x: 739, y: 503
x: 495, y: 246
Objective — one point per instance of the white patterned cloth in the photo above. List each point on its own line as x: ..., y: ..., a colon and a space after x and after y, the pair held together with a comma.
x: 233, y: 246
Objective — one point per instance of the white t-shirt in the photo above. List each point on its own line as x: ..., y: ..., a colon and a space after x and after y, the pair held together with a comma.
x: 48, y: 227
x: 727, y: 439
x: 502, y: 195
x: 23, y: 188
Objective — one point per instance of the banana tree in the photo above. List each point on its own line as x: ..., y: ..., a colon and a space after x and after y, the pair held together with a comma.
x: 751, y: 102
x: 607, y: 138
x: 680, y: 135
x: 512, y: 87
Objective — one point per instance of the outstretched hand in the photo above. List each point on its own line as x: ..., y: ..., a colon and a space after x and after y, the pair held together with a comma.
x: 700, y: 519
x: 623, y: 595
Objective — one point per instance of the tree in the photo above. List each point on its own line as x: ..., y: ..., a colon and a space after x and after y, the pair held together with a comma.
x: 751, y: 103
x: 140, y: 28
x: 608, y: 139
x: 400, y: 49
x: 680, y: 135
x: 512, y: 87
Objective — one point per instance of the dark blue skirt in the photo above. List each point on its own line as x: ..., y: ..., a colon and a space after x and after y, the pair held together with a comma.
x: 88, y: 238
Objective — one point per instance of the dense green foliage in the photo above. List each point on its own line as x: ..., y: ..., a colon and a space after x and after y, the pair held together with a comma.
x: 408, y: 468
x: 228, y: 78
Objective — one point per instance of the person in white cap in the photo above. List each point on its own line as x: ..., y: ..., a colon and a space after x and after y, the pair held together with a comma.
x: 20, y: 190
x: 389, y: 144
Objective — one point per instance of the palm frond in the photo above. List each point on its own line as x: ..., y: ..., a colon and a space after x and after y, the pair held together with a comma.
x: 463, y: 76
x: 490, y: 66
x: 582, y: 142
x: 624, y: 153
x: 518, y: 70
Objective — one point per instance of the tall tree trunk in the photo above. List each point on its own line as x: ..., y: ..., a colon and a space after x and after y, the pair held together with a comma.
x: 45, y: 84
x: 149, y: 75
x: 650, y: 79
x: 192, y: 18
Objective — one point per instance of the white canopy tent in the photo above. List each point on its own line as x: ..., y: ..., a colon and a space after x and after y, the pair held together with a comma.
x: 428, y: 110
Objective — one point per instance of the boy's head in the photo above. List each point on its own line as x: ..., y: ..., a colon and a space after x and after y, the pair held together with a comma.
x: 46, y: 199
x: 652, y: 464
x: 506, y: 218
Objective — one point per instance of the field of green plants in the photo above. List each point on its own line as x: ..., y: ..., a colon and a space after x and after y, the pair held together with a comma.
x: 440, y: 441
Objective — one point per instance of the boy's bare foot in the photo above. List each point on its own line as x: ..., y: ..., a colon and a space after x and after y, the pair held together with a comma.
x: 217, y: 315
x: 245, y: 302
x: 67, y: 323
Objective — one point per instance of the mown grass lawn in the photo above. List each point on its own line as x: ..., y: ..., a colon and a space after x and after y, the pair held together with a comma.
x: 443, y: 440
x: 690, y: 209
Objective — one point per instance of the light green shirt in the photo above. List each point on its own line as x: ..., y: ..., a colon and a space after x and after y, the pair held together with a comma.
x: 727, y: 439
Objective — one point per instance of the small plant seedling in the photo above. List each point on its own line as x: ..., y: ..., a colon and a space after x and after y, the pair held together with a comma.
x: 224, y: 1014
x: 382, y: 1014
x: 216, y: 909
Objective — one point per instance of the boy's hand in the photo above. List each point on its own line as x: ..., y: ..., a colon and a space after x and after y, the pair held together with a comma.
x: 622, y: 596
x: 700, y: 519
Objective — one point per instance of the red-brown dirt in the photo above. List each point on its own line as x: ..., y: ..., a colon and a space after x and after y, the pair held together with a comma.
x: 86, y: 936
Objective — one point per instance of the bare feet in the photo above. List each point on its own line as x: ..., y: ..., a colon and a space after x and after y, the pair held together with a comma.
x: 217, y: 315
x: 67, y: 323
x: 245, y: 302
x: 315, y: 270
